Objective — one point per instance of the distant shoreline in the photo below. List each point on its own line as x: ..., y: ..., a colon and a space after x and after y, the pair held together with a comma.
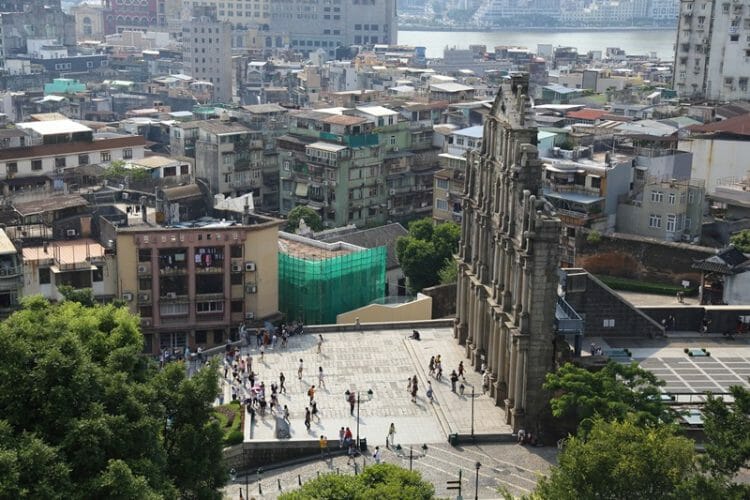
x: 541, y: 28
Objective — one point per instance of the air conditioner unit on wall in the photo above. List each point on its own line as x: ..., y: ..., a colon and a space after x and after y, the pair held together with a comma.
x: 251, y: 288
x: 71, y: 232
x: 236, y: 268
x: 127, y: 296
x: 142, y: 269
x: 250, y: 267
x: 171, y: 295
x: 146, y: 322
x: 144, y: 297
x: 250, y: 315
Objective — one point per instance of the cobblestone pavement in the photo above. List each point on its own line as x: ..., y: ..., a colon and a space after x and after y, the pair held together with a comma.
x: 510, y: 466
x: 380, y: 361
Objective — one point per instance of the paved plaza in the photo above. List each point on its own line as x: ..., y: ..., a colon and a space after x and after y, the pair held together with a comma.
x: 381, y: 361
x: 510, y: 466
x: 727, y: 365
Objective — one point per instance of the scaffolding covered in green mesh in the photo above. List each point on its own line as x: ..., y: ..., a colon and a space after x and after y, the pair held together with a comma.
x: 315, y: 290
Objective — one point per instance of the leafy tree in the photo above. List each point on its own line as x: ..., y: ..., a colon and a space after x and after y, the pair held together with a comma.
x: 311, y: 217
x: 449, y: 272
x: 727, y: 429
x: 424, y: 251
x: 612, y: 393
x: 622, y: 460
x: 85, y: 413
x: 741, y: 240
x: 376, y: 482
x: 83, y: 296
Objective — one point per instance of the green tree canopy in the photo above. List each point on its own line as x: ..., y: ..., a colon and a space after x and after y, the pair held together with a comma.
x: 311, y: 217
x: 727, y: 429
x: 741, y: 240
x: 422, y: 254
x: 622, y: 460
x: 86, y: 415
x: 612, y: 393
x: 376, y: 482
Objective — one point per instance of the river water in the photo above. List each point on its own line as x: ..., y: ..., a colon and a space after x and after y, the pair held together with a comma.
x: 631, y: 41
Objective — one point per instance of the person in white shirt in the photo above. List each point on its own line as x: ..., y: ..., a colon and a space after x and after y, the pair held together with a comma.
x: 376, y: 455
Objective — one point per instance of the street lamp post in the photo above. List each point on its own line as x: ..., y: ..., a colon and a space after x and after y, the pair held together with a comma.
x: 369, y: 393
x: 476, y: 482
x: 472, y: 412
x: 412, y: 456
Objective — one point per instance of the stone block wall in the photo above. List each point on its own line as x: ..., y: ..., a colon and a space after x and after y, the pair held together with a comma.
x: 443, y: 299
x: 597, y: 302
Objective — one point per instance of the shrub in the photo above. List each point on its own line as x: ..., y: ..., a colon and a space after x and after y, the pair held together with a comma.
x: 594, y: 237
x: 234, y: 437
x: 630, y: 285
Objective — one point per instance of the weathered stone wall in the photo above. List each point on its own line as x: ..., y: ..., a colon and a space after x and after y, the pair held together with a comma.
x: 641, y: 258
x: 443, y: 299
x: 688, y: 318
x: 259, y: 454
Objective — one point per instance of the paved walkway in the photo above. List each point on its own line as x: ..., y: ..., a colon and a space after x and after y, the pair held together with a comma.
x: 652, y: 299
x: 381, y: 361
x: 509, y: 466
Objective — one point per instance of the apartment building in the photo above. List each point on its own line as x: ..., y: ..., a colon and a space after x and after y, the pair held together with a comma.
x: 49, y: 147
x: 227, y: 156
x: 670, y: 210
x: 332, y: 163
x: 585, y: 188
x: 194, y: 284
x: 11, y: 275
x: 80, y: 263
x: 449, y: 188
x: 712, y: 50
x: 207, y: 52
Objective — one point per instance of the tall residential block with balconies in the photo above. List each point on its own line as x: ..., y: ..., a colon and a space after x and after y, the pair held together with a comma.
x: 713, y: 50
x: 332, y: 163
x: 195, y: 284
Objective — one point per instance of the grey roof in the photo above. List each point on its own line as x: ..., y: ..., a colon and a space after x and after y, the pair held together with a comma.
x: 376, y: 237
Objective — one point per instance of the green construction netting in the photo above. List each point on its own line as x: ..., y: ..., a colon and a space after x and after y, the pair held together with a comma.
x: 315, y: 291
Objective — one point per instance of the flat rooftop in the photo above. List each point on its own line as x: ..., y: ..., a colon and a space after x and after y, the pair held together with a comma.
x: 309, y: 249
x: 66, y: 251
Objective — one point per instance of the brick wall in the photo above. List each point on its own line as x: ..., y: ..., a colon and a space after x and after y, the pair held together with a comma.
x: 642, y: 258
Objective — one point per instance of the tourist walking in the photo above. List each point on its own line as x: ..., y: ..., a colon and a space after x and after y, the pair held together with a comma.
x: 432, y: 365
x: 414, y: 389
x: 391, y: 435
x: 307, y: 418
x: 429, y: 392
x: 320, y: 343
x: 299, y: 370
x: 376, y: 455
x: 286, y: 413
x: 315, y: 411
x: 282, y: 379
x: 352, y: 400
x: 321, y: 381
x: 342, y: 433
x: 454, y: 379
x: 311, y: 393
x: 461, y: 370
x: 323, y: 446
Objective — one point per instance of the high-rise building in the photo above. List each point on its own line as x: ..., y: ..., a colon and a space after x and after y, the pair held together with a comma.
x: 712, y: 50
x: 207, y: 51
x: 334, y: 23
